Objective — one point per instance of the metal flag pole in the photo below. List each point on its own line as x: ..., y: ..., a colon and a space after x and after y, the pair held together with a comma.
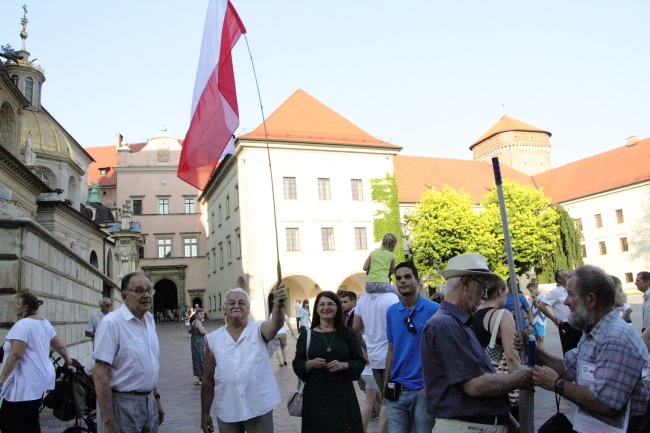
x: 526, y: 397
x: 268, y: 154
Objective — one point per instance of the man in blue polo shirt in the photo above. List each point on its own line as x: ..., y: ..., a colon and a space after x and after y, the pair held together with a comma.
x: 405, y: 322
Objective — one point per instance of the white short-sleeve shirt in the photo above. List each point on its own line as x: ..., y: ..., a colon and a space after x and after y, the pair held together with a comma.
x: 94, y: 321
x: 131, y: 348
x: 34, y: 373
x: 372, y: 309
x: 555, y: 298
x: 244, y: 384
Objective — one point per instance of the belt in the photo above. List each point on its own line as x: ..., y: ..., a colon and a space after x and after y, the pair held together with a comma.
x: 484, y: 419
x: 133, y: 392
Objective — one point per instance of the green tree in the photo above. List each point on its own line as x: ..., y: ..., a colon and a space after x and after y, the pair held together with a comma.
x: 387, y: 216
x: 442, y: 226
x: 566, y: 251
x: 533, y: 224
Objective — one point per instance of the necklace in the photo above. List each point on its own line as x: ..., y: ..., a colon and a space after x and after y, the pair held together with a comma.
x: 329, y: 348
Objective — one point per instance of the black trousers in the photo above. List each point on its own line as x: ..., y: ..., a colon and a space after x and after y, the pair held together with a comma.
x: 569, y: 337
x: 20, y: 416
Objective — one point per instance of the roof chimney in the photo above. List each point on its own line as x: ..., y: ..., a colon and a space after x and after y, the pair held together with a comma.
x: 631, y: 141
x: 118, y: 141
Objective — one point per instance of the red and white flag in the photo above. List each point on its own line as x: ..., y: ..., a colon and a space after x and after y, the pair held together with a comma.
x: 215, y: 114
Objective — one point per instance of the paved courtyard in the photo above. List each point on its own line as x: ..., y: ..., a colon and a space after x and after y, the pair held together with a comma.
x: 181, y: 398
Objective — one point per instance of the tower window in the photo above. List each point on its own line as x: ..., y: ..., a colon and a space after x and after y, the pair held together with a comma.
x: 29, y: 89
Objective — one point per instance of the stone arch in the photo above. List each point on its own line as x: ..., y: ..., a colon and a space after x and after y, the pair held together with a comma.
x: 299, y: 287
x: 109, y: 264
x: 354, y: 282
x: 166, y: 296
x: 8, y: 129
x: 241, y: 283
x: 47, y: 176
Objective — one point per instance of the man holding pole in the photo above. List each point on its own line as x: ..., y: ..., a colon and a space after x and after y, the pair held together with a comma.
x: 464, y: 393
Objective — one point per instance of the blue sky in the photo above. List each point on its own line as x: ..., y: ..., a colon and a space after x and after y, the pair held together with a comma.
x: 429, y: 76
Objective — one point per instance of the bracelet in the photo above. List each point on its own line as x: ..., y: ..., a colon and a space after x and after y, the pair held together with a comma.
x: 559, y: 385
x: 156, y: 396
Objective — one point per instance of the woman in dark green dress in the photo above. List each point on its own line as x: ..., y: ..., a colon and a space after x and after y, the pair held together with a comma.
x: 335, y: 361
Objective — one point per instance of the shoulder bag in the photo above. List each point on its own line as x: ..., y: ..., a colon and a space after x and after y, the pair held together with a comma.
x: 558, y: 423
x: 294, y: 405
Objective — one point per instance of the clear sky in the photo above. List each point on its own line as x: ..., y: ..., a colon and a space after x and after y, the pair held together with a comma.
x: 430, y: 76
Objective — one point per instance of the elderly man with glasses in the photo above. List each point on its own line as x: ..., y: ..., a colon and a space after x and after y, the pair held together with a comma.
x: 464, y: 393
x: 127, y: 357
x: 407, y: 411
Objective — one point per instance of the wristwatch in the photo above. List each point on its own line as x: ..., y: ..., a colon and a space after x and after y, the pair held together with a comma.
x: 559, y: 386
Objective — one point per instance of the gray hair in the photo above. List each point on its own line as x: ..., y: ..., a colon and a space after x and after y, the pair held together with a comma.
x: 237, y: 290
x: 453, y: 283
x: 105, y: 300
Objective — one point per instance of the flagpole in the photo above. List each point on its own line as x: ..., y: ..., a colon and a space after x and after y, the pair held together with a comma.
x: 268, y: 154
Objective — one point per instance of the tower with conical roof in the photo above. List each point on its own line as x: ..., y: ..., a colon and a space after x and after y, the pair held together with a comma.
x: 518, y: 145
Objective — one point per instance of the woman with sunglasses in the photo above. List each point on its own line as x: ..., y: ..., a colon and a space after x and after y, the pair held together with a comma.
x: 494, y: 327
x: 334, y: 362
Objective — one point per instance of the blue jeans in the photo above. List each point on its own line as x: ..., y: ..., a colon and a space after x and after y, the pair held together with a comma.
x: 409, y: 413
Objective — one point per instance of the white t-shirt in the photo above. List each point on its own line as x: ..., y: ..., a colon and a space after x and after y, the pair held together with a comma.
x: 297, y: 306
x: 131, y: 348
x: 555, y: 298
x: 372, y: 308
x: 34, y: 373
x: 244, y: 383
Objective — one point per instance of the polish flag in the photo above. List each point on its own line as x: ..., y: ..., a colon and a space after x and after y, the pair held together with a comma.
x: 215, y: 114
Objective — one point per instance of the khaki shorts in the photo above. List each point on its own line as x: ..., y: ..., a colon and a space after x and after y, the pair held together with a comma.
x: 280, y: 340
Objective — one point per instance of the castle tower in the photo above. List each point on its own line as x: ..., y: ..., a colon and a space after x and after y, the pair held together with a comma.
x: 518, y: 145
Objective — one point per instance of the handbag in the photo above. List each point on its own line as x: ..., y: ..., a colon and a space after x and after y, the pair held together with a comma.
x: 294, y: 405
x: 498, y: 358
x: 558, y: 423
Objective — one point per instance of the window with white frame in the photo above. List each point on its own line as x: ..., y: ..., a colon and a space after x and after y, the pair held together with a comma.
x: 360, y: 239
x: 357, y: 189
x: 191, y: 246
x: 324, y: 192
x: 289, y: 184
x: 164, y: 247
x: 293, y: 239
x: 327, y: 238
x: 163, y: 206
x: 190, y: 205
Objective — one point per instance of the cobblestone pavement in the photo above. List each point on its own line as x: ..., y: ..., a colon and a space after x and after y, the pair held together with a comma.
x: 181, y: 398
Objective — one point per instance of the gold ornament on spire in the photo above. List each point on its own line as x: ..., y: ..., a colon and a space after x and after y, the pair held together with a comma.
x: 23, y: 22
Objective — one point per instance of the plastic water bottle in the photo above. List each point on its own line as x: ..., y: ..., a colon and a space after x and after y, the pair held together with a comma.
x: 530, y: 352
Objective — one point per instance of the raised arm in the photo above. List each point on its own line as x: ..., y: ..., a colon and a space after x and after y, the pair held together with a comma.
x: 270, y: 328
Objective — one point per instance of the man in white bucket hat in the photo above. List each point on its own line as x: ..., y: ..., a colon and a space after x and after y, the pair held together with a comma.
x: 464, y: 393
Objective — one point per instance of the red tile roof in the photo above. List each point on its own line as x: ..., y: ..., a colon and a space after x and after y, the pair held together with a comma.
x: 302, y: 118
x: 417, y: 174
x: 106, y: 157
x: 616, y: 168
x: 506, y: 124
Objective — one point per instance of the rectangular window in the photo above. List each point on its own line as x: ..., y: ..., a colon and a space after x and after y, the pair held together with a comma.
x: 163, y: 206
x: 236, y: 197
x: 189, y: 205
x: 327, y: 238
x: 229, y: 251
x: 619, y: 216
x: 602, y: 247
x: 324, y: 192
x: 293, y: 239
x: 191, y: 246
x: 221, y: 254
x: 238, y: 245
x: 357, y: 189
x: 227, y: 206
x: 629, y: 277
x: 137, y: 207
x: 213, y: 262
x: 164, y: 248
x: 584, y: 251
x: 360, y: 240
x: 578, y: 222
x: 289, y: 188
x: 219, y: 215
x: 624, y: 246
x: 599, y: 220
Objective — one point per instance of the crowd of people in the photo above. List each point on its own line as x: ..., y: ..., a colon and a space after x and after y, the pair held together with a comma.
x: 427, y: 366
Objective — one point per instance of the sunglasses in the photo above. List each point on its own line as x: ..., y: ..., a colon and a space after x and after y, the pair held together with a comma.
x: 409, y: 325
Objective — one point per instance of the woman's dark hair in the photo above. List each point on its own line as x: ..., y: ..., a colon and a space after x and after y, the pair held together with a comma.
x: 32, y: 302
x: 342, y: 331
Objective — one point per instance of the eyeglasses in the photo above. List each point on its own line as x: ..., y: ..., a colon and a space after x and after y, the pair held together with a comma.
x: 485, y: 287
x: 141, y: 291
x: 409, y: 325
x: 326, y: 304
